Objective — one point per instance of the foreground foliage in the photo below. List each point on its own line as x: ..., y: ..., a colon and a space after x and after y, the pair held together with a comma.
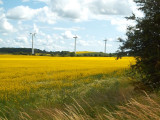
x: 132, y: 110
x: 143, y: 41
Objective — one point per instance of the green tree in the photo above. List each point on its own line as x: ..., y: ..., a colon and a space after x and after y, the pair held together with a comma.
x: 143, y: 41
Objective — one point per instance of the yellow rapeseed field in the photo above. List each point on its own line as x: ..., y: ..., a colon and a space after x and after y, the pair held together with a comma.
x: 25, y: 73
x: 83, y: 52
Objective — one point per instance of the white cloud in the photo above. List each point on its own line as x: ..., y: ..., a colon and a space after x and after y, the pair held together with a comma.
x: 67, y: 35
x: 21, y: 12
x: 110, y: 7
x: 71, y: 9
x: 80, y: 10
x: 135, y: 10
x: 1, y: 2
x: 84, y: 43
x: 35, y: 28
x: 57, y: 48
x: 120, y: 23
x: 25, y: 0
x: 5, y: 26
x: 45, y: 1
x: 43, y: 14
x: 46, y: 15
x: 62, y: 42
x: 1, y: 40
x: 21, y: 39
x: 4, y: 34
x: 48, y: 42
x: 76, y: 10
x: 68, y: 29
x: 68, y: 9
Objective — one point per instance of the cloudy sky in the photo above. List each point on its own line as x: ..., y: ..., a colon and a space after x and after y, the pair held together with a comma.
x: 57, y: 21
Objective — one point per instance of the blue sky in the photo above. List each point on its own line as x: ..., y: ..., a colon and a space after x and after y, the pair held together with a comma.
x: 57, y: 21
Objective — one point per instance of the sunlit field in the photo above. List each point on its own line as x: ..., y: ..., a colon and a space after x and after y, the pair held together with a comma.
x: 83, y: 52
x: 18, y: 73
x: 31, y: 81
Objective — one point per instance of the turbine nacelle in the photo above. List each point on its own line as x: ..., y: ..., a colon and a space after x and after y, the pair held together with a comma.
x: 34, y: 34
x: 75, y: 37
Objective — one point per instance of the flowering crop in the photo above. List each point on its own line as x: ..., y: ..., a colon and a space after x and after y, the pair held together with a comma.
x: 26, y: 73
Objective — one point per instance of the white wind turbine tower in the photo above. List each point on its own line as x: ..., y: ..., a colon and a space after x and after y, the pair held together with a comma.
x: 75, y: 37
x: 105, y: 45
x: 33, y: 35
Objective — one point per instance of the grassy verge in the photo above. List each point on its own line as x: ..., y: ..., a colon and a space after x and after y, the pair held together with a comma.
x: 102, y: 96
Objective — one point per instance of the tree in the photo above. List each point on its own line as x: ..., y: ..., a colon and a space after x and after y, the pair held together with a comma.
x: 143, y: 41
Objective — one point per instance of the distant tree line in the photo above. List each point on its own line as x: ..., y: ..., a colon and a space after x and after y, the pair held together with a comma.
x: 27, y: 51
x: 19, y: 51
x: 96, y: 54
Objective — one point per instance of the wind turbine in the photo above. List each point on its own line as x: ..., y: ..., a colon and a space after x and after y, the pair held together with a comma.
x: 33, y: 35
x: 75, y: 37
x: 105, y: 45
